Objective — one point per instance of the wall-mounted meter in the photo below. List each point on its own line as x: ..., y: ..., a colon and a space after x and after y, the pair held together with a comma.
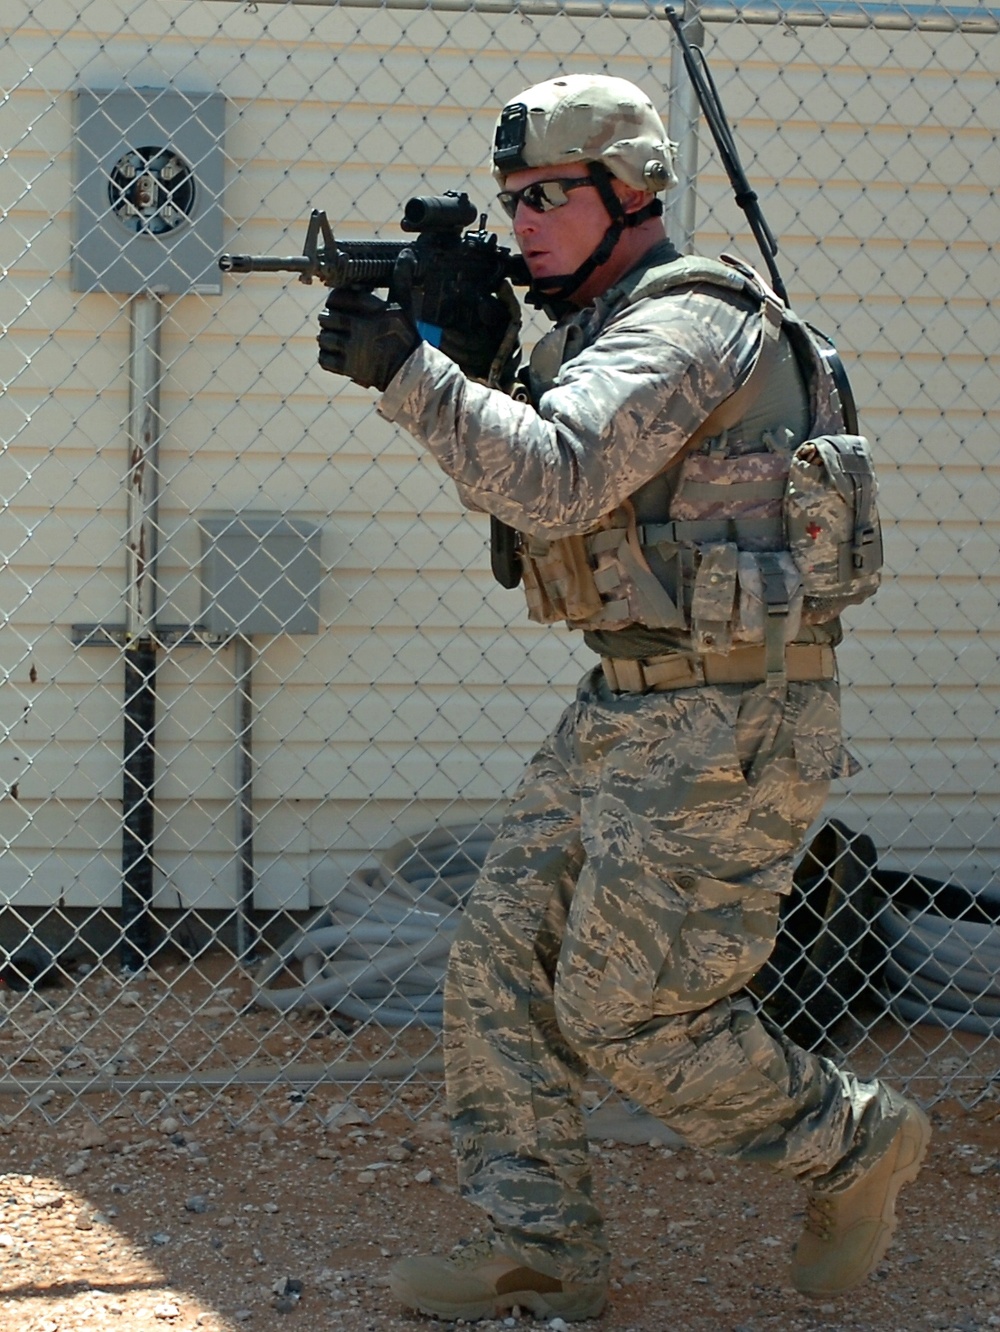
x: 149, y: 176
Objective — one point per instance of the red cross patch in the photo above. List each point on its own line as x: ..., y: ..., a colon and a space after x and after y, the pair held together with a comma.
x: 813, y: 530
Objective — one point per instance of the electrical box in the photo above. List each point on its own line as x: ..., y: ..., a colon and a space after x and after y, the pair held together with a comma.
x: 148, y: 203
x: 260, y: 574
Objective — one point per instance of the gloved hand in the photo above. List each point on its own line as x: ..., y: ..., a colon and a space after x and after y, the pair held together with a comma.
x: 364, y: 338
x: 483, y: 337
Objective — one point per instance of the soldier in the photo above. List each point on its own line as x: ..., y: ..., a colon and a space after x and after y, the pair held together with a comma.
x: 646, y: 460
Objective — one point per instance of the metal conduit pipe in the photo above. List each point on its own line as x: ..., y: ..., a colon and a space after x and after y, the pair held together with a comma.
x: 139, y: 733
x: 246, y: 932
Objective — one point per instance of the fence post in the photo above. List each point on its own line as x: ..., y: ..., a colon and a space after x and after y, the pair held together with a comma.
x: 682, y: 127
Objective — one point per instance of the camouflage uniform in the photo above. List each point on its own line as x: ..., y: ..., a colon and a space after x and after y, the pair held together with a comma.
x: 634, y: 886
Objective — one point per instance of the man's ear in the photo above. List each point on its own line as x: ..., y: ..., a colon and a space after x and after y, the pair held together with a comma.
x: 632, y: 199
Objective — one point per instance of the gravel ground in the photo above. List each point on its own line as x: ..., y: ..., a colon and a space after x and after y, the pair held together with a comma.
x: 250, y: 1208
x: 160, y: 1224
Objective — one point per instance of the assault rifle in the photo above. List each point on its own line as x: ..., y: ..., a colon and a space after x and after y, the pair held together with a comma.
x: 436, y: 277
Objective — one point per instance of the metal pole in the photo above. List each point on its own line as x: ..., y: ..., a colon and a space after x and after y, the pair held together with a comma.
x: 246, y: 936
x: 900, y: 17
x: 139, y: 738
x: 682, y: 127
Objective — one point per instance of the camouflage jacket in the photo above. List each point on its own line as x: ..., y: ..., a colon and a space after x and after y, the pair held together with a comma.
x: 616, y: 391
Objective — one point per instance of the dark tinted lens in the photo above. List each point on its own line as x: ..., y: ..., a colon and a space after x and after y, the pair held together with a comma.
x: 550, y: 194
x: 541, y: 196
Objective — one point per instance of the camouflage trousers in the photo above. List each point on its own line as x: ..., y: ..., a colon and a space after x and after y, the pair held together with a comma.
x: 632, y: 891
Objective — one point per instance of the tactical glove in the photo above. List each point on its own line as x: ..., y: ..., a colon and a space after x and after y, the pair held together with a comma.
x: 483, y: 339
x: 364, y: 338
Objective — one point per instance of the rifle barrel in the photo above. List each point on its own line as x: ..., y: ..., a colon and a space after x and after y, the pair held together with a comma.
x: 262, y: 263
x: 350, y: 263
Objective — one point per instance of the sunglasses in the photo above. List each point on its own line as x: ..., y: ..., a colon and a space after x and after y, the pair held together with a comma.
x: 543, y: 195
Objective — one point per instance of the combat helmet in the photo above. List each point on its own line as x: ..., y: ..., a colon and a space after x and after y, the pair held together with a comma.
x: 586, y: 118
x: 605, y: 123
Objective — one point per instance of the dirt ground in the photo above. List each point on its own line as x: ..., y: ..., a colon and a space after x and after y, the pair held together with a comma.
x: 240, y: 1208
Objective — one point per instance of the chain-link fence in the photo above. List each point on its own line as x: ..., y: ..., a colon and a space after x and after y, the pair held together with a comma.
x: 262, y: 700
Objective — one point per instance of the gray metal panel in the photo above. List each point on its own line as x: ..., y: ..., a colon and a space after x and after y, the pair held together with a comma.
x: 171, y: 245
x: 260, y: 574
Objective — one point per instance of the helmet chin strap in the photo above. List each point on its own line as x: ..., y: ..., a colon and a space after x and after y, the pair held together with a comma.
x: 552, y: 294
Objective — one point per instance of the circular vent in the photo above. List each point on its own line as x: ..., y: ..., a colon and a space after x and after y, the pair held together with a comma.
x: 151, y: 190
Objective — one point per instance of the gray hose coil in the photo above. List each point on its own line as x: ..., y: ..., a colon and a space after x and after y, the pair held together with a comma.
x: 917, y: 1010
x: 957, y: 952
x: 379, y: 947
x: 939, y: 969
x: 952, y: 998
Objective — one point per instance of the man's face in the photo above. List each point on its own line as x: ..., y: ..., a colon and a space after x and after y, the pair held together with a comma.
x: 557, y: 242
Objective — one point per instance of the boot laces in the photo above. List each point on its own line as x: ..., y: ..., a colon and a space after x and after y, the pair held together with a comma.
x: 471, y: 1251
x: 819, y: 1216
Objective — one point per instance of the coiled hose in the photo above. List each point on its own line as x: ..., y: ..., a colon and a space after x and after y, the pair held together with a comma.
x: 378, y: 948
x: 942, y: 962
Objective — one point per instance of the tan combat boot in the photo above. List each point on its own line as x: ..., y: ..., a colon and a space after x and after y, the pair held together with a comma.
x: 477, y: 1280
x: 847, y: 1232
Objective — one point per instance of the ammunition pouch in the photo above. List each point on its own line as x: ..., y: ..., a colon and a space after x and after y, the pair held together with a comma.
x: 801, y: 540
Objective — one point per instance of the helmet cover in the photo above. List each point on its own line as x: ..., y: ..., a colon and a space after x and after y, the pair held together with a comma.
x: 585, y: 118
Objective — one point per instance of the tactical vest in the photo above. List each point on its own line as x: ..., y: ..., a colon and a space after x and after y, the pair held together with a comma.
x: 729, y: 545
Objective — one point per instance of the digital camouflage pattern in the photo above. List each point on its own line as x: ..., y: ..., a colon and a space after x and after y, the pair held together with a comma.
x: 661, y: 371
x: 632, y: 889
x: 634, y: 885
x: 621, y: 388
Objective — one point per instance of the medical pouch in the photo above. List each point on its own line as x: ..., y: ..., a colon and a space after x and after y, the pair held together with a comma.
x: 832, y: 523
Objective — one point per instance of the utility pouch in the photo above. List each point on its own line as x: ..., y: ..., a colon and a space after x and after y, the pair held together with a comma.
x: 770, y: 598
x: 831, y: 520
x: 558, y: 580
x: 713, y: 598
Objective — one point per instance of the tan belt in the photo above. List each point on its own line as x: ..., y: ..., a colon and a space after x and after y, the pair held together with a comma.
x: 674, y: 670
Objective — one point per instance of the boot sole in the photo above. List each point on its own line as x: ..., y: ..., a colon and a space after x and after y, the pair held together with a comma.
x: 916, y: 1136
x: 571, y: 1308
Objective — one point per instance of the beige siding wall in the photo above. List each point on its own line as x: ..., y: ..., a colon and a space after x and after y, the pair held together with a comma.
x: 427, y: 688
x: 883, y: 148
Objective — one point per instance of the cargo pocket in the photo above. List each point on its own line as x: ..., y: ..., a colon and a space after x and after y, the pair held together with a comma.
x: 818, y: 745
x: 724, y: 938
